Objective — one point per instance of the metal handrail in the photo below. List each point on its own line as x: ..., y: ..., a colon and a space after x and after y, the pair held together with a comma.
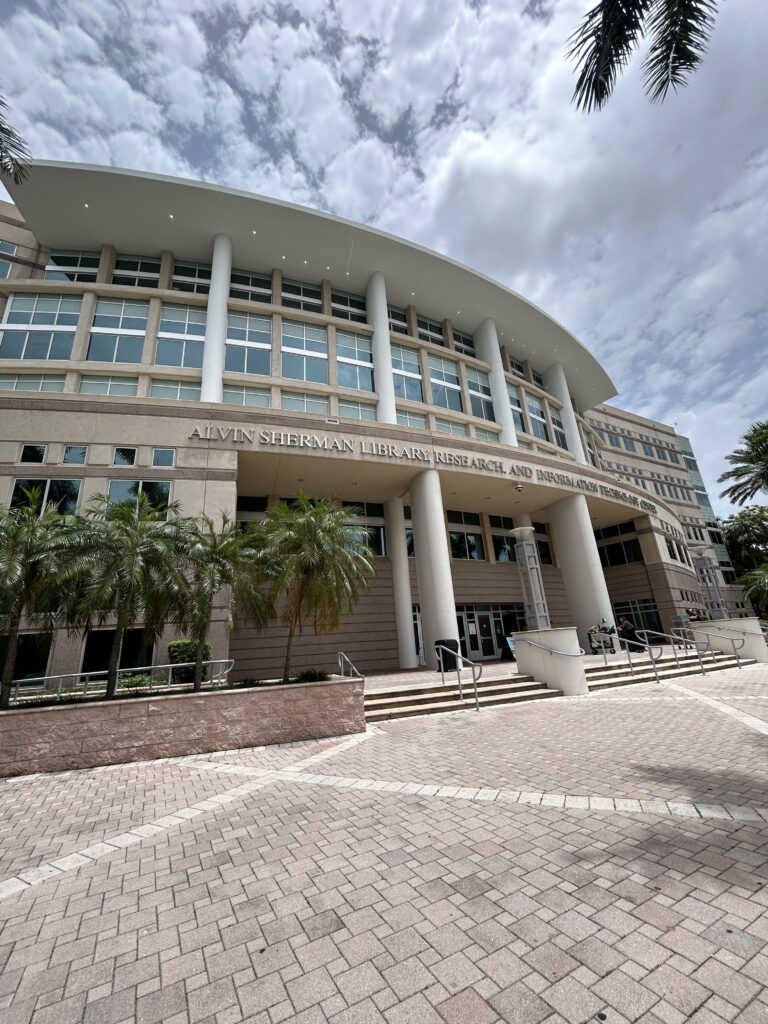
x: 343, y: 660
x: 677, y: 641
x: 466, y: 661
x: 36, y: 685
x: 636, y: 643
x: 549, y: 650
x: 722, y: 634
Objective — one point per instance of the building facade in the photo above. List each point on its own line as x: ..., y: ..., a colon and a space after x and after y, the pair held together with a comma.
x: 222, y: 350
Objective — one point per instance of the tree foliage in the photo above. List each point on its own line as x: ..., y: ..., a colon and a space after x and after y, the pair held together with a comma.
x: 750, y: 466
x: 678, y: 31
x: 755, y: 585
x: 14, y: 154
x: 319, y: 564
x: 746, y: 536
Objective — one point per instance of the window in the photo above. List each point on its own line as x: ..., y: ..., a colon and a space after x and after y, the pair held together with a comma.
x: 407, y: 373
x: 430, y: 330
x: 9, y: 248
x: 164, y: 458
x: 356, y: 410
x: 541, y: 536
x: 347, y: 306
x: 236, y: 394
x: 464, y: 343
x: 674, y: 457
x: 36, y: 311
x: 31, y: 382
x: 369, y: 517
x: 191, y: 277
x: 486, y: 435
x: 135, y: 652
x: 245, y: 284
x: 5, y: 269
x: 446, y: 389
x: 62, y: 493
x: 249, y: 344
x: 130, y: 319
x: 305, y: 352
x: 178, y: 339
x: 137, y: 271
x: 517, y: 409
x: 503, y: 542
x: 124, y: 457
x: 450, y: 427
x: 517, y: 368
x: 354, y: 357
x: 614, y: 440
x: 557, y: 427
x: 643, y: 613
x: 623, y: 552
x: 179, y: 390
x: 124, y: 386
x: 480, y: 394
x: 298, y: 295
x: 158, y: 492
x: 75, y: 454
x: 297, y: 402
x: 661, y: 454
x: 465, y: 543
x: 72, y: 265
x: 36, y: 344
x: 398, y: 321
x: 537, y: 417
x: 33, y: 453
x: 32, y: 653
x: 647, y: 449
x: 406, y: 418
x: 629, y: 444
x: 537, y: 379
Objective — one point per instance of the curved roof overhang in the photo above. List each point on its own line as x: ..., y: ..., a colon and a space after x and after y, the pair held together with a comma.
x: 132, y: 211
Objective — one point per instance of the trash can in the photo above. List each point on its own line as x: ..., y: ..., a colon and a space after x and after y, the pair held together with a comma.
x: 447, y: 660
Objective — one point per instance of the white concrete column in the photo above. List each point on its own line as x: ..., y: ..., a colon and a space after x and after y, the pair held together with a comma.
x: 579, y: 562
x: 433, y: 563
x: 216, y: 321
x: 556, y: 384
x: 487, y: 349
x: 378, y: 319
x: 394, y: 521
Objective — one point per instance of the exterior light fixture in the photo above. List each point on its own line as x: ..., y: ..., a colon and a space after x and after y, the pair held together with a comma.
x: 85, y: 205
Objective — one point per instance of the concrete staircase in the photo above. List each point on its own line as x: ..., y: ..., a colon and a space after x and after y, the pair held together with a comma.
x: 617, y: 672
x: 403, y: 702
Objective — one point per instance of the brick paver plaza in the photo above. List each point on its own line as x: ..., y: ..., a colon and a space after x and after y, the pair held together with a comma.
x: 600, y: 858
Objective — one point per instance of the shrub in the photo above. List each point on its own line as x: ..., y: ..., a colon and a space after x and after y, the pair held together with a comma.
x: 180, y: 651
x: 312, y: 675
x: 134, y: 682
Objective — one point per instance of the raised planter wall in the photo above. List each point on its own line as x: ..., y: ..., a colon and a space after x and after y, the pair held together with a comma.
x: 143, y: 728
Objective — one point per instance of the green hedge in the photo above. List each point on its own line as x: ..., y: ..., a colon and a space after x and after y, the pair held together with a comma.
x: 180, y: 651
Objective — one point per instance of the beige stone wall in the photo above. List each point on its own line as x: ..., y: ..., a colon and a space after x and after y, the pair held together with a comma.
x: 116, y: 732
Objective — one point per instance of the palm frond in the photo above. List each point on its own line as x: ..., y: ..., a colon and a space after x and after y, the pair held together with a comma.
x: 601, y: 47
x: 14, y: 155
x: 679, y: 31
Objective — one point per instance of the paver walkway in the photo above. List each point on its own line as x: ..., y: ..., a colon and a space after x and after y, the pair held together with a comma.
x: 600, y: 858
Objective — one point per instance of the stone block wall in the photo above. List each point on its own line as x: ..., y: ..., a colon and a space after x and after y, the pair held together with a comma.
x: 142, y: 728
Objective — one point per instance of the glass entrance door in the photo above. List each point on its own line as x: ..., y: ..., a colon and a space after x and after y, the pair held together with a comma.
x: 485, y: 630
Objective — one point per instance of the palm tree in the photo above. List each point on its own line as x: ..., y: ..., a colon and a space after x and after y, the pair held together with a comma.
x: 319, y: 564
x: 746, y: 537
x: 215, y: 557
x: 601, y: 46
x: 750, y: 465
x: 13, y: 151
x: 31, y: 546
x: 126, y: 569
x: 755, y: 585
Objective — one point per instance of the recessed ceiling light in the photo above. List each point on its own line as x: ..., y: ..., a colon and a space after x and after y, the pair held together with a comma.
x: 327, y: 268
x: 305, y: 262
x: 282, y: 257
x: 458, y: 312
x: 85, y: 205
x: 170, y: 216
x: 254, y: 231
x: 347, y: 273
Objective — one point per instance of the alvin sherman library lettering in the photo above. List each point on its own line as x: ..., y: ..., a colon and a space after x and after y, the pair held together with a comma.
x: 198, y: 362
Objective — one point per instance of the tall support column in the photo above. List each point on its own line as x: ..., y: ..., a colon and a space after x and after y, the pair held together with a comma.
x: 487, y: 348
x: 378, y: 319
x: 529, y: 567
x: 579, y: 561
x: 216, y: 321
x: 557, y: 385
x: 433, y: 563
x: 394, y: 521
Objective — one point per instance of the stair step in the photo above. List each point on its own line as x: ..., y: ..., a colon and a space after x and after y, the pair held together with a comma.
x: 452, y: 686
x: 646, y: 675
x: 595, y: 671
x: 436, y: 695
x: 408, y: 711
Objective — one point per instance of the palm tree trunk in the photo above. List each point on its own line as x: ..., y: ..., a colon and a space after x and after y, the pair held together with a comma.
x: 287, y: 666
x: 114, y: 662
x: 10, y: 660
x: 199, y: 657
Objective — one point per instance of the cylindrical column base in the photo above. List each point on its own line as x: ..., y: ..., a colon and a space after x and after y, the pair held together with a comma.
x: 394, y: 520
x: 433, y: 563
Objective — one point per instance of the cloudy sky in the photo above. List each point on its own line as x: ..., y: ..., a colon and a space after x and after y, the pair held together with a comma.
x: 644, y: 229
